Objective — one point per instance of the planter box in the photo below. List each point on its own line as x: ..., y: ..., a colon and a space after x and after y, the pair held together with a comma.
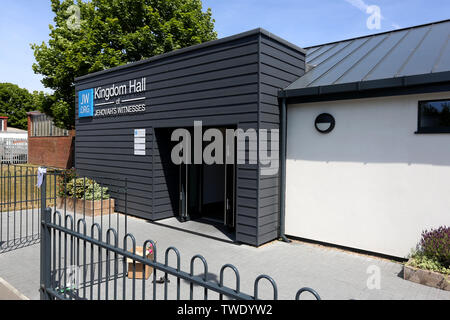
x: 426, y: 277
x: 90, y: 208
x: 139, y: 273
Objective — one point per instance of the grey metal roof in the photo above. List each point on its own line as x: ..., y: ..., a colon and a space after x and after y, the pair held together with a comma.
x: 420, y: 50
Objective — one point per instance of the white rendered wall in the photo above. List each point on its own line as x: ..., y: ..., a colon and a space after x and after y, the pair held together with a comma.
x: 371, y: 184
x: 14, y: 135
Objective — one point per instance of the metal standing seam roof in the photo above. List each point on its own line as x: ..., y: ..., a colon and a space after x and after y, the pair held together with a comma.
x: 420, y: 50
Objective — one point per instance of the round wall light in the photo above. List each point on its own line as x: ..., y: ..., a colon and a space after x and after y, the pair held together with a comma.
x: 325, y: 123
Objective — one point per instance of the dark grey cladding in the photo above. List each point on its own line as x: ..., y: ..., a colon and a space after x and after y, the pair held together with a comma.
x: 228, y: 82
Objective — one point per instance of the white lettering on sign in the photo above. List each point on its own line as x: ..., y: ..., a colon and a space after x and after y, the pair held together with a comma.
x: 85, y: 98
x: 135, y: 86
x: 113, y: 91
x: 120, y: 110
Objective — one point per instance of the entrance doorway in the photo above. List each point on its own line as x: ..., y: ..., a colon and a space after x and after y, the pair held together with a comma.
x: 207, y: 192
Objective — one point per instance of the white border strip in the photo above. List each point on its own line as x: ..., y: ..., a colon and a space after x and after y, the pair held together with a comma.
x: 104, y: 104
x: 134, y: 99
x: 13, y: 290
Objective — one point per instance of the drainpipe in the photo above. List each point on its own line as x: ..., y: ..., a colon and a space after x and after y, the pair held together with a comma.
x: 283, y: 140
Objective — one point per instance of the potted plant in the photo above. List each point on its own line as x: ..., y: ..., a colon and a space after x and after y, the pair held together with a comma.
x: 430, y: 262
x: 83, y: 195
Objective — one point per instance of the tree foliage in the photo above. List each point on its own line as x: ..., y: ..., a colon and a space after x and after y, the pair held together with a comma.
x: 112, y: 33
x: 15, y: 102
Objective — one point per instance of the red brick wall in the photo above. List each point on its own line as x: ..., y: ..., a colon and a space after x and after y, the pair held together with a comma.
x: 55, y: 152
x: 51, y: 151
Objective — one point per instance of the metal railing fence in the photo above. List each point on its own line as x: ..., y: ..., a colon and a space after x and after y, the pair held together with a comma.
x: 107, y: 268
x: 20, y: 204
x: 88, y: 253
x: 13, y: 150
x: 21, y: 201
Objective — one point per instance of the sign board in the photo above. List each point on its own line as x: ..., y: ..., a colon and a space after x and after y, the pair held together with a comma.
x: 112, y: 101
x: 86, y: 103
x: 139, y: 142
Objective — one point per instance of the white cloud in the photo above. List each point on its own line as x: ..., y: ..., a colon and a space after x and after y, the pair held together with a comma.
x: 360, y: 4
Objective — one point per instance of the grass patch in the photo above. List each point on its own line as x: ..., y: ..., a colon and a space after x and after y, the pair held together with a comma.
x: 18, y: 189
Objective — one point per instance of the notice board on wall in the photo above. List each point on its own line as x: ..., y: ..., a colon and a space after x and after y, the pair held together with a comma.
x: 139, y: 142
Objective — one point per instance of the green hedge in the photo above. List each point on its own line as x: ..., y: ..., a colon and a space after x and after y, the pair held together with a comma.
x: 83, y: 188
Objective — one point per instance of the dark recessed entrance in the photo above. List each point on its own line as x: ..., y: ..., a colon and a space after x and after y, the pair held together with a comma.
x: 207, y: 192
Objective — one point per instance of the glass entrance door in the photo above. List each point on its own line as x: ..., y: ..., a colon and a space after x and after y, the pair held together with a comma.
x: 230, y: 196
x: 183, y: 184
x: 208, y: 192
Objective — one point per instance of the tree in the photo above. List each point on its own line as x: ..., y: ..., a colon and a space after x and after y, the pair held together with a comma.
x: 110, y: 33
x: 15, y: 102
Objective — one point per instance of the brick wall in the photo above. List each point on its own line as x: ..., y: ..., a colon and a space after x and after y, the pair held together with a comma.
x: 51, y: 151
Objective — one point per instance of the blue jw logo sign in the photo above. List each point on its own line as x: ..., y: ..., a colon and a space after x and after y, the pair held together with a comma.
x: 86, y: 103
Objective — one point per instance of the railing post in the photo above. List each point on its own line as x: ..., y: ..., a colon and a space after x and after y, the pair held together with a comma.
x: 45, y: 254
x: 43, y: 187
x: 45, y: 239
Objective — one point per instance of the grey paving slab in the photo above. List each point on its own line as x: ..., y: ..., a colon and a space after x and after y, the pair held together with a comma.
x: 333, y: 273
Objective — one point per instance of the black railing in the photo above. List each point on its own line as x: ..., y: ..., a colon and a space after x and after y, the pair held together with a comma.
x: 20, y: 207
x: 22, y: 200
x: 102, y: 267
x: 87, y: 252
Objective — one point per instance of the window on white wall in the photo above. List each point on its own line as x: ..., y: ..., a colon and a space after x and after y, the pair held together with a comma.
x: 434, y: 116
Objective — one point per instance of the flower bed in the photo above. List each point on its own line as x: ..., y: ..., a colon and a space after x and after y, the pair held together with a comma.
x: 430, y: 262
x: 83, y: 196
x: 426, y: 277
x: 89, y: 207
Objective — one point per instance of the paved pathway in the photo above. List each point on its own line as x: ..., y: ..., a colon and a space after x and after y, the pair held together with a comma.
x: 333, y: 273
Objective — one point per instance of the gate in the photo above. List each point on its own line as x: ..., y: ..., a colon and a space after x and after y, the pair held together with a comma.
x: 87, y: 252
x: 20, y: 206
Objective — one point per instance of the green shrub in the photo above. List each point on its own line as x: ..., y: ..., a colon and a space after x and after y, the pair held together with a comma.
x: 83, y: 188
x: 433, y: 251
x: 435, y: 245
x: 423, y: 262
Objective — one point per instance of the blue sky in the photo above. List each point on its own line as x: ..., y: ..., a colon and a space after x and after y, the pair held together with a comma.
x: 303, y: 22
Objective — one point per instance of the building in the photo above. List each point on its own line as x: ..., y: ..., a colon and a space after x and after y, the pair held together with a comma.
x: 10, y: 132
x: 363, y: 146
x: 49, y: 145
x: 13, y: 143
x: 3, y: 124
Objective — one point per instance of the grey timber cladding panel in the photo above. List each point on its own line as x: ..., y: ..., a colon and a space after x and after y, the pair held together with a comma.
x: 280, y: 65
